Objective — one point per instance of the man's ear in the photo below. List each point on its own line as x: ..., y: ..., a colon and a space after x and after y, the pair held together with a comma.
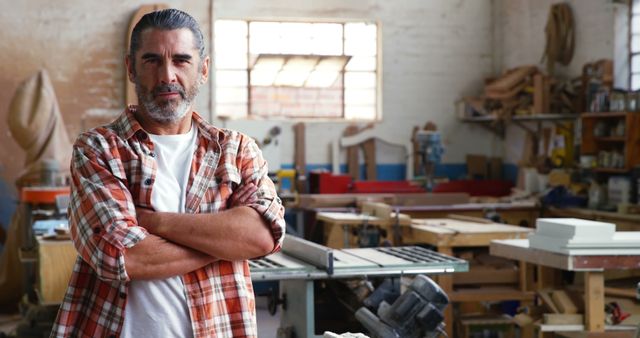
x: 131, y: 72
x: 205, y: 70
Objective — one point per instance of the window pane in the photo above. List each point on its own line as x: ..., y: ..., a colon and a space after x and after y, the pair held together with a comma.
x: 261, y: 77
x: 635, y: 64
x: 321, y: 78
x: 265, y: 37
x: 231, y: 45
x: 360, y: 112
x: 230, y: 61
x: 635, y: 43
x: 635, y: 24
x: 362, y: 63
x: 360, y: 31
x: 231, y: 94
x: 635, y: 82
x: 236, y: 110
x: 359, y: 96
x: 235, y: 28
x: 360, y: 47
x: 360, y: 79
x: 635, y: 7
x: 231, y: 78
x: 297, y: 37
x: 326, y: 39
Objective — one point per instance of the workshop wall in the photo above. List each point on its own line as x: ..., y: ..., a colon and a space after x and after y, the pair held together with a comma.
x: 600, y: 32
x: 433, y: 53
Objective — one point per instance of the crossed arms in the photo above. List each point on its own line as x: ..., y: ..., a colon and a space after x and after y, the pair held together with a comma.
x: 121, y: 241
x: 233, y: 234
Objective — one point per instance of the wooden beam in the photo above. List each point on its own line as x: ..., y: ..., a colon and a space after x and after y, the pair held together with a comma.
x: 594, y: 301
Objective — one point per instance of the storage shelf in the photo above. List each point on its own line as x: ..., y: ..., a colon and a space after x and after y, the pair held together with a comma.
x: 611, y: 139
x: 539, y: 117
x: 616, y: 114
x: 498, y: 125
x: 611, y: 170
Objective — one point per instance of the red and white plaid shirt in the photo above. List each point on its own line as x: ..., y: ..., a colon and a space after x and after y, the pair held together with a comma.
x: 113, y: 170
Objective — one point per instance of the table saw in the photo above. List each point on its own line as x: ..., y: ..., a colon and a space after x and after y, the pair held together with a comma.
x: 302, y: 262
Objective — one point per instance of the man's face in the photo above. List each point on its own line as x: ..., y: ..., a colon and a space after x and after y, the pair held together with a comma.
x: 168, y: 73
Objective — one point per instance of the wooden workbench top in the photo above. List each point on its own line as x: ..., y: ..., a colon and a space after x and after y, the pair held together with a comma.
x: 447, y: 232
x: 451, y: 226
x: 519, y: 249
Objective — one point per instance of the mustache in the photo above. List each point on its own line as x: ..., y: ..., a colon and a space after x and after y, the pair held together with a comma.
x: 171, y: 87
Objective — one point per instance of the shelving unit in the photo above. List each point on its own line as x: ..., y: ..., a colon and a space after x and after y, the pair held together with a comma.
x: 498, y: 126
x: 598, y: 135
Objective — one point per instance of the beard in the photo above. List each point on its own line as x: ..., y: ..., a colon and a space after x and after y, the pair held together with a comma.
x: 167, y: 111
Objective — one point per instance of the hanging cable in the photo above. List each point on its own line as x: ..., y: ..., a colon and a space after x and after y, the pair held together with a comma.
x: 560, y: 36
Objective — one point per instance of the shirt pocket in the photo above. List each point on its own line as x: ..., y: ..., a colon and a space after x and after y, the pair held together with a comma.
x: 223, y: 185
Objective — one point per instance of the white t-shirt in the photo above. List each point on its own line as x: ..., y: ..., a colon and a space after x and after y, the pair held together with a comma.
x: 158, y: 308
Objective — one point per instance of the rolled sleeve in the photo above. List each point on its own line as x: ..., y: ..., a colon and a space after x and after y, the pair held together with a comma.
x: 255, y: 169
x: 101, y: 213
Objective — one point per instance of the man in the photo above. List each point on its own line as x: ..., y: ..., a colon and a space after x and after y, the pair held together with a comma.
x: 165, y: 208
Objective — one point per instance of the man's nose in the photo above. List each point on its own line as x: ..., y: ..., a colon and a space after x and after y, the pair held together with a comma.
x: 167, y: 73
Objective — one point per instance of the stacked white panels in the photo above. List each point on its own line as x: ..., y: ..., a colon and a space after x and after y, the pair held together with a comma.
x: 583, y: 237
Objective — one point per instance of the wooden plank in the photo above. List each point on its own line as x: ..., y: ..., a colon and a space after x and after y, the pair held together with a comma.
x: 370, y: 163
x: 594, y: 301
x: 489, y: 294
x: 563, y: 302
x: 299, y: 158
x: 538, y: 94
x: 55, y: 263
x: 470, y: 219
x: 620, y: 292
x: 547, y: 301
x: 353, y: 163
x: 486, y: 275
x: 511, y: 79
x: 563, y: 319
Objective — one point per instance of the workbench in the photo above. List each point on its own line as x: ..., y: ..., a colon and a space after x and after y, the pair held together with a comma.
x: 338, y: 226
x: 447, y: 234
x: 592, y: 266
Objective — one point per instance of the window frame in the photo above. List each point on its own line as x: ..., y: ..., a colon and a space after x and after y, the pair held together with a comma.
x: 377, y: 106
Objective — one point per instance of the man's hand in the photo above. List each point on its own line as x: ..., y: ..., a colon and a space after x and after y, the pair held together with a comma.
x: 246, y: 194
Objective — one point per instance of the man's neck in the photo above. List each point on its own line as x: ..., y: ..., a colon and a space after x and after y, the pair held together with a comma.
x: 181, y: 126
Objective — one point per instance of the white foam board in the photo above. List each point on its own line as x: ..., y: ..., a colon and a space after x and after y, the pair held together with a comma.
x: 574, y: 228
x: 620, y: 241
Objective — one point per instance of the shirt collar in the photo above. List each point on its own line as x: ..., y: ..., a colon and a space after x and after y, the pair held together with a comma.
x: 127, y: 125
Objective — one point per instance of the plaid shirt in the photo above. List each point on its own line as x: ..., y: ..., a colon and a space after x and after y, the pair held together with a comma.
x: 113, y: 170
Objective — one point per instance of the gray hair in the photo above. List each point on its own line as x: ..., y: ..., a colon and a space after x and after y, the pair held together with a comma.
x: 166, y: 19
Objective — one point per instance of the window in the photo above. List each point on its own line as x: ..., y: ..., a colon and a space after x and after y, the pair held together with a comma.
x: 296, y: 69
x: 634, y: 45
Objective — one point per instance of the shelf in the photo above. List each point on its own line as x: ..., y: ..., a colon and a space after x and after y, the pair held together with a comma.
x: 490, y: 294
x: 498, y: 125
x: 539, y: 117
x: 617, y: 114
x: 611, y: 139
x: 611, y: 170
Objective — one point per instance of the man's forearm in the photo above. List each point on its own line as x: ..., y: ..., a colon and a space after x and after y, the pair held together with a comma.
x: 156, y: 258
x: 237, y: 233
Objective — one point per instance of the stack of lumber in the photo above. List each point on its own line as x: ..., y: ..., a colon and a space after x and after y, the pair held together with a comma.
x: 575, y: 236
